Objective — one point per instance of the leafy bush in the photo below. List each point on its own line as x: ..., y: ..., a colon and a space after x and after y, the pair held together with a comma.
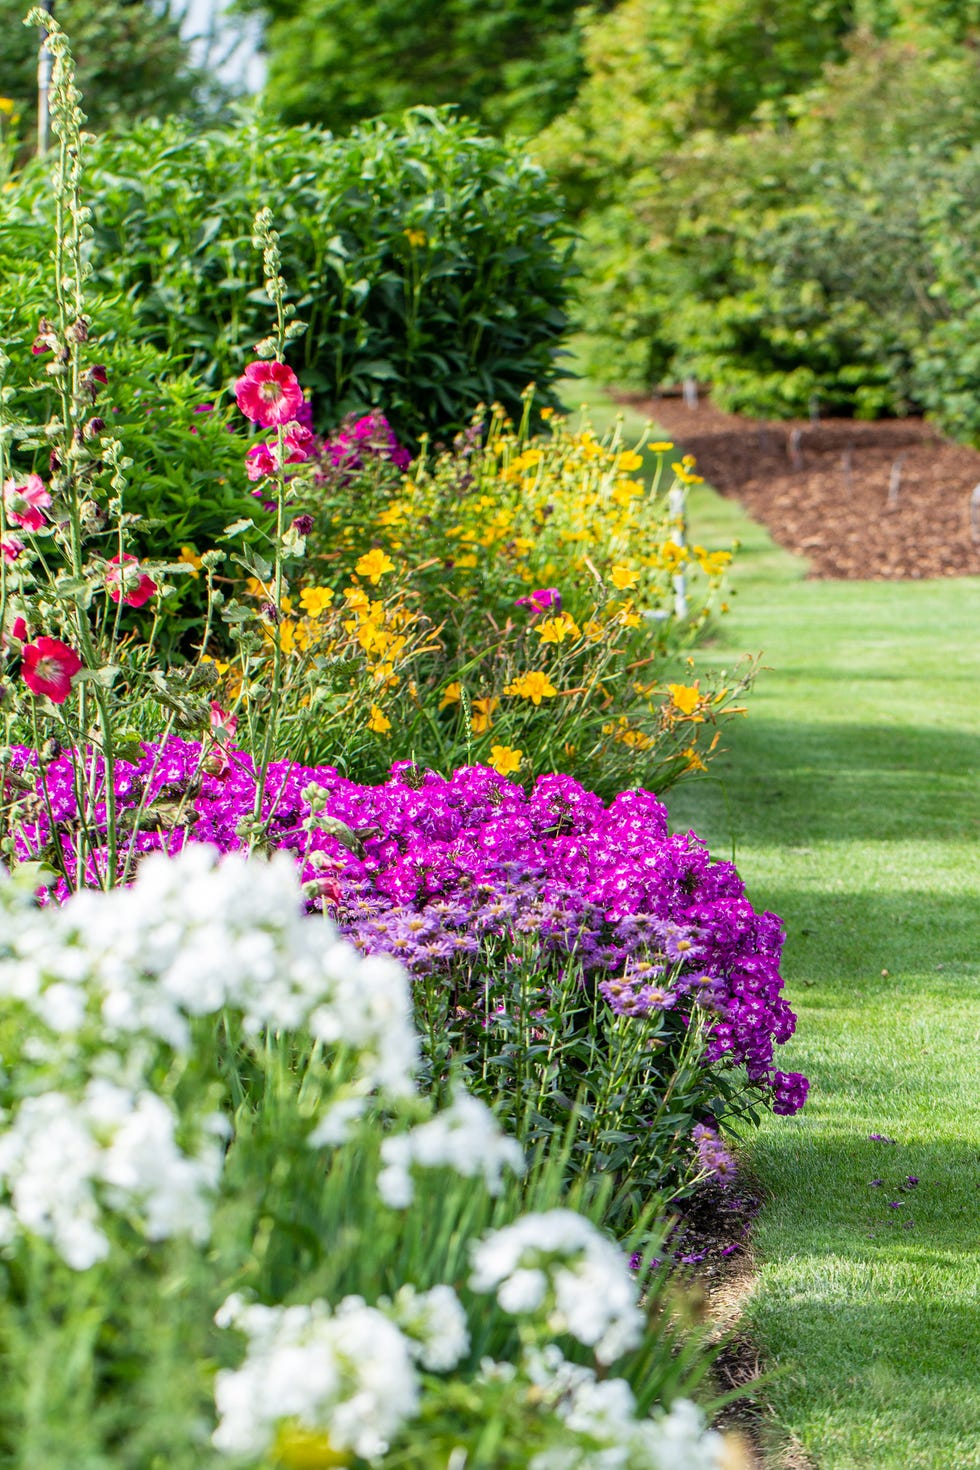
x: 806, y: 258
x: 430, y: 264
x: 337, y: 62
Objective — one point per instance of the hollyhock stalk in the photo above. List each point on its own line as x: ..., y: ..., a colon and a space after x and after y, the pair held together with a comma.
x: 268, y: 239
x: 71, y: 219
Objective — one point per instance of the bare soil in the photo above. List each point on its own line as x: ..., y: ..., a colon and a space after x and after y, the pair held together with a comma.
x: 883, y: 501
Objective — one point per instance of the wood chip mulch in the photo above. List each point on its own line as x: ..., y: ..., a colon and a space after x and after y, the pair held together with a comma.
x: 883, y: 501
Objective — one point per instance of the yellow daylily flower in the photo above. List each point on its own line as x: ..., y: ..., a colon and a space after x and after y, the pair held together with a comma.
x: 534, y: 686
x: 505, y: 760
x: 373, y: 565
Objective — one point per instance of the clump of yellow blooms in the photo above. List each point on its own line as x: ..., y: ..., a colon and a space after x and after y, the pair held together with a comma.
x: 519, y: 596
x: 535, y: 687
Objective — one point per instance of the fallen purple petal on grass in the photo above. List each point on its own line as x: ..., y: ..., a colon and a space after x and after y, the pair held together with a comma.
x: 895, y: 1204
x: 877, y: 1183
x: 880, y: 1138
x: 911, y: 1180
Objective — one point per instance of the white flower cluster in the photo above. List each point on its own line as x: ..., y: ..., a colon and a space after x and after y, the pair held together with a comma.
x: 602, y: 1416
x: 193, y: 936
x: 349, y: 1374
x: 61, y: 1156
x: 111, y: 976
x: 435, y: 1324
x: 558, y: 1260
x: 464, y: 1137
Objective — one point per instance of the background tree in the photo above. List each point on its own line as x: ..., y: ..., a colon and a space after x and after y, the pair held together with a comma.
x: 132, y: 60
x: 514, y: 64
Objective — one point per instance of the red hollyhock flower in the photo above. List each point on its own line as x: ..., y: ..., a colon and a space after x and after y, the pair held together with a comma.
x: 269, y: 393
x: 48, y: 668
x: 24, y: 503
x: 125, y: 580
x: 19, y: 630
x: 11, y: 548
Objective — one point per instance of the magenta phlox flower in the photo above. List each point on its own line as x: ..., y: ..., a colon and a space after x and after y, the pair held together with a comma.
x: 545, y: 599
x: 469, y: 874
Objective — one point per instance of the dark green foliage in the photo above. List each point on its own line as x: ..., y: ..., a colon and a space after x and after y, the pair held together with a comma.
x: 514, y: 64
x: 132, y: 61
x: 430, y: 263
x: 820, y: 255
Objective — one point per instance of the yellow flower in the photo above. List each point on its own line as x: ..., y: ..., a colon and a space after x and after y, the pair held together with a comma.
x: 451, y: 694
x: 288, y: 640
x: 673, y: 555
x: 661, y: 446
x: 416, y: 238
x: 483, y: 715
x: 630, y: 619
x: 356, y: 598
x: 505, y: 760
x: 622, y: 576
x: 187, y: 553
x: 712, y: 563
x: 629, y: 460
x: 315, y: 599
x: 556, y: 630
x: 694, y: 761
x: 8, y: 105
x: 625, y: 492
x: 307, y: 1449
x: 468, y: 560
x: 379, y: 721
x: 685, y: 697
x: 535, y: 687
x: 373, y: 565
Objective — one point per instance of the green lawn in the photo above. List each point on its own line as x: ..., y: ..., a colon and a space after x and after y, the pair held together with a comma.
x: 851, y: 796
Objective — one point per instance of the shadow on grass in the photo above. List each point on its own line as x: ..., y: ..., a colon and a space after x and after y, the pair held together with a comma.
x: 792, y: 783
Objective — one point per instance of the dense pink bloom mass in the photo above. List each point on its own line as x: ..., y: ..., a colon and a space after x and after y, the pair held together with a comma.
x: 48, y: 668
x: 25, y: 503
x: 269, y: 394
x: 449, y: 873
x: 124, y: 580
x: 545, y: 599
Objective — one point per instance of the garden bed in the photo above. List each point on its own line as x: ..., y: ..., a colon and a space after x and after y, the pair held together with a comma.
x: 828, y: 490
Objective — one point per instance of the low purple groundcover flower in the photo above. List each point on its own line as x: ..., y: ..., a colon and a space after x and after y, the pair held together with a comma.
x: 437, y: 869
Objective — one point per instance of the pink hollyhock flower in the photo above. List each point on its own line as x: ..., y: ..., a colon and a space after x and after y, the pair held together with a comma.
x: 124, y: 580
x: 223, y: 727
x: 546, y: 599
x: 269, y: 393
x: 19, y: 630
x: 11, y: 548
x: 259, y: 462
x: 48, y: 668
x: 298, y: 442
x: 24, y: 503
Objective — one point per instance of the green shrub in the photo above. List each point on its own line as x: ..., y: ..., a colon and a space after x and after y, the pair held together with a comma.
x: 820, y: 254
x: 429, y: 263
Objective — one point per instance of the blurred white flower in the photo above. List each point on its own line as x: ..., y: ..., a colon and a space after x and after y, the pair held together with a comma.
x: 464, y: 1137
x: 348, y: 1373
x: 559, y: 1258
x: 63, y: 1160
x: 435, y: 1324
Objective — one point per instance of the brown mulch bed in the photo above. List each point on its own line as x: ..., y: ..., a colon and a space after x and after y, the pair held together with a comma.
x: 875, y: 501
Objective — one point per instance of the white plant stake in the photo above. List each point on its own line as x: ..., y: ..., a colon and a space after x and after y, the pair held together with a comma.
x: 677, y: 501
x: 975, y: 513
